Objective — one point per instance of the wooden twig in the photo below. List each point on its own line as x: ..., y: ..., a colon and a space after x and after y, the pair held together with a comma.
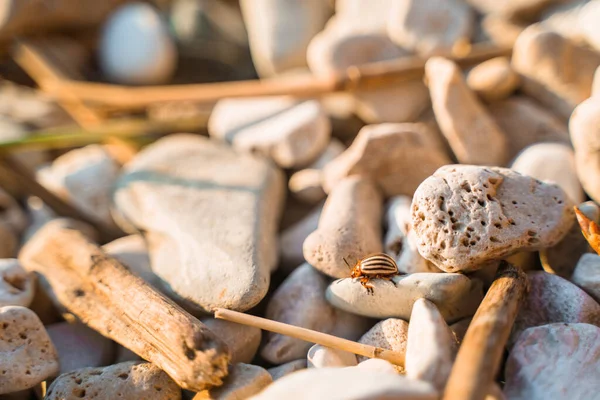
x: 311, y: 336
x: 480, y: 353
x: 106, y: 296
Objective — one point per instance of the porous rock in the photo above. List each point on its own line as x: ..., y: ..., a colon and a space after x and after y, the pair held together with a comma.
x: 180, y: 185
x: 493, y: 79
x: 243, y: 381
x: 472, y: 134
x: 455, y: 295
x: 128, y: 380
x: 555, y: 361
x: 17, y: 286
x: 466, y: 216
x: 242, y: 340
x: 587, y: 275
x: 323, y: 357
x: 288, y: 368
x: 390, y: 334
x: 349, y: 227
x: 584, y: 127
x: 398, y: 157
x: 27, y: 356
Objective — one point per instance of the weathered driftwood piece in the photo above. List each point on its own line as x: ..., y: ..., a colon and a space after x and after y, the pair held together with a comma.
x: 481, y: 351
x: 107, y: 297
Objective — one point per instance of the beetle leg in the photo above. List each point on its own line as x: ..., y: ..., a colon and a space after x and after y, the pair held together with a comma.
x: 364, y: 281
x: 590, y: 230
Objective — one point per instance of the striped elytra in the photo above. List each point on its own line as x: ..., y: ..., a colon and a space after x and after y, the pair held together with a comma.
x: 375, y: 264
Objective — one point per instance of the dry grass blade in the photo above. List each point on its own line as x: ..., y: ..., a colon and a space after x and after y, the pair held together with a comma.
x: 589, y: 229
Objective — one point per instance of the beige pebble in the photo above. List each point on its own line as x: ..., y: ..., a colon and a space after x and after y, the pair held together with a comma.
x: 472, y: 134
x: 466, y: 216
x: 129, y: 380
x: 554, y: 71
x: 242, y: 340
x: 27, y: 356
x: 293, y: 134
x: 525, y: 123
x: 292, y: 239
x: 17, y: 286
x: 552, y: 299
x: 390, y: 334
x: 398, y: 157
x: 587, y: 275
x: 584, y: 127
x: 430, y: 26
x: 379, y: 365
x: 493, y: 79
x: 79, y: 346
x: 588, y: 21
x: 557, y: 361
x: 563, y: 18
x: 400, y: 240
x: 431, y: 346
x: 288, y: 368
x: 455, y: 295
x: 326, y: 357
x: 363, y: 15
x: 132, y: 251
x: 349, y: 227
x: 243, y: 381
x: 300, y: 301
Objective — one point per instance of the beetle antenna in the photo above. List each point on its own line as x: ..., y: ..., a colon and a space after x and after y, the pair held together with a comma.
x: 349, y: 267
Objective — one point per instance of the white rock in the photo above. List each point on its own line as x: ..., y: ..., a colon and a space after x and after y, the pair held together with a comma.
x: 587, y: 275
x: 326, y: 357
x: 242, y: 340
x: 564, y: 18
x: 584, y: 130
x: 132, y: 251
x: 243, y: 381
x: 493, y: 79
x: 17, y: 286
x: 135, y: 47
x: 379, y: 365
x: 363, y: 15
x: 588, y: 21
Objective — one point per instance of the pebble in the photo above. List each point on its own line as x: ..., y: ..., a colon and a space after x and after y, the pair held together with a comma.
x: 346, y: 384
x: 363, y: 15
x: 174, y: 189
x: 459, y: 329
x: 84, y: 177
x: 588, y: 21
x: 17, y: 286
x: 533, y: 161
x: 349, y: 227
x: 132, y: 251
x: 431, y: 346
x: 402, y: 102
x: 400, y: 240
x: 288, y: 368
x: 525, y: 123
x: 379, y: 365
x: 553, y: 70
x: 563, y: 18
x: 466, y: 216
x: 243, y: 381
x: 493, y: 79
x: 326, y: 357
x: 455, y: 295
x: 79, y: 346
x: 556, y: 361
x: 552, y: 299
x: 596, y: 83
x: 472, y: 134
x: 587, y: 275
x: 430, y: 26
x: 242, y: 340
x: 389, y: 334
x: 128, y: 380
x: 292, y: 239
x: 148, y: 56
x: 307, y: 184
x: 398, y: 157
x: 583, y: 127
x: 27, y: 356
x: 280, y: 31
x: 300, y: 301
x: 293, y: 134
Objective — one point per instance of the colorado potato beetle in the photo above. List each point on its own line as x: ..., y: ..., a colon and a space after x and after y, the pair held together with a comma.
x: 377, y: 265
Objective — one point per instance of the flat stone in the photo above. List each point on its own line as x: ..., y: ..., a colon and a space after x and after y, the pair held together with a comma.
x: 346, y: 384
x: 287, y: 368
x: 242, y: 340
x: 389, y: 334
x: 525, y: 123
x: 279, y: 32
x: 400, y: 240
x: 584, y: 129
x: 300, y: 301
x: 472, y: 134
x: 128, y: 380
x: 379, y: 365
x: 554, y: 70
x: 466, y: 216
x: 79, y: 346
x: 17, y: 286
x: 132, y: 251
x: 455, y: 295
x: 326, y: 357
x: 183, y: 183
x: 349, y: 227
x: 493, y: 79
x: 431, y: 347
x: 587, y: 275
x: 292, y: 239
x: 243, y: 381
x: 552, y: 299
x: 27, y: 356
x: 291, y: 133
x: 430, y: 26
x: 398, y: 157
x: 531, y: 370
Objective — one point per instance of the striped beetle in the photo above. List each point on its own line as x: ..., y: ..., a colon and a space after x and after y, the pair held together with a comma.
x: 376, y: 265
